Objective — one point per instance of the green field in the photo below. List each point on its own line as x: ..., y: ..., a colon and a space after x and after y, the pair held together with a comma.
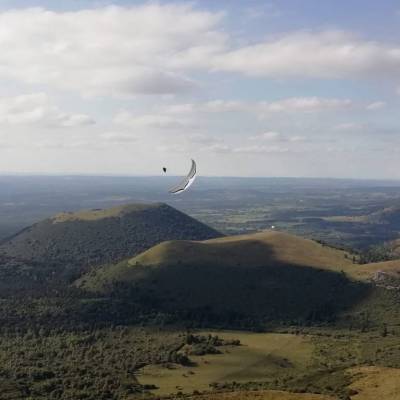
x: 259, y: 356
x: 338, y: 364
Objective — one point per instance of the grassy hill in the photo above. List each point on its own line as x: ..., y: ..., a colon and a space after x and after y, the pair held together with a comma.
x: 270, y: 275
x: 384, y: 274
x: 70, y: 241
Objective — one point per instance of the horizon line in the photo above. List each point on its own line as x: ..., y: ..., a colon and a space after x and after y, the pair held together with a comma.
x: 120, y: 175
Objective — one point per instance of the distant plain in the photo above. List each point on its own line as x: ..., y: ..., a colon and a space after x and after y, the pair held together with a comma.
x: 331, y: 210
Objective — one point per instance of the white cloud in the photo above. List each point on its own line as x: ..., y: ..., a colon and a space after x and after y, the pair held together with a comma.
x: 218, y: 106
x: 350, y: 126
x: 325, y: 55
x: 70, y: 120
x: 172, y: 148
x: 160, y: 48
x: 155, y: 48
x: 218, y: 148
x: 297, y: 139
x: 304, y: 104
x: 269, y: 136
x: 188, y: 122
x: 65, y: 145
x: 37, y: 109
x: 200, y: 138
x: 286, y: 105
x: 157, y: 120
x: 272, y: 136
x: 188, y: 114
x: 261, y: 149
x: 119, y: 137
x: 109, y: 50
x: 377, y: 105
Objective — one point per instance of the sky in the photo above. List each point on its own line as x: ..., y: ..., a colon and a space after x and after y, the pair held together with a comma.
x: 298, y: 88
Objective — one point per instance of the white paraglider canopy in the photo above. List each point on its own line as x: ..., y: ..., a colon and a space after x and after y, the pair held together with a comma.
x: 186, y: 182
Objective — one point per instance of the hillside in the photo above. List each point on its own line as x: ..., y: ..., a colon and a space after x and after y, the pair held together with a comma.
x: 258, y: 249
x: 385, y: 216
x: 386, y: 273
x: 389, y: 215
x: 271, y: 274
x: 96, y: 237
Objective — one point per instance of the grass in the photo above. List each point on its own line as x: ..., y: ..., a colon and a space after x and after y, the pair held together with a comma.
x: 270, y: 274
x: 366, y: 272
x: 98, y: 214
x: 260, y: 356
x: 316, y: 364
x: 265, y: 276
x: 250, y: 250
x: 269, y: 248
x: 262, y: 395
x: 338, y: 363
x: 373, y: 383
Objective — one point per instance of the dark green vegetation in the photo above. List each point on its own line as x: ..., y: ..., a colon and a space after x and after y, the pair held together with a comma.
x: 95, y: 364
x: 62, y: 247
x: 88, y: 338
x: 381, y: 252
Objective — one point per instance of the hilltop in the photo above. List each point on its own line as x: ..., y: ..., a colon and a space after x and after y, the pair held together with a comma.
x: 271, y: 275
x: 251, y: 250
x: 94, y: 237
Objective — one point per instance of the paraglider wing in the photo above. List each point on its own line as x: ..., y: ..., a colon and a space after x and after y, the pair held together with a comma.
x: 186, y: 182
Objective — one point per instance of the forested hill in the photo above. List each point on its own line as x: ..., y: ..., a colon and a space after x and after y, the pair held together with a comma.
x: 93, y: 237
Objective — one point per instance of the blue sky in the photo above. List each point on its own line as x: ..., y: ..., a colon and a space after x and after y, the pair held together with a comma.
x: 377, y: 19
x: 248, y: 88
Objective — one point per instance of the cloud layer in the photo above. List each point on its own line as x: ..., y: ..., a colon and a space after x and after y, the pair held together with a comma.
x: 323, y: 55
x: 155, y: 49
x: 37, y: 109
x: 111, y: 50
x: 116, y: 86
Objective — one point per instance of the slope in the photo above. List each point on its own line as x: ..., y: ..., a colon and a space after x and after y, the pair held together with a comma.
x: 271, y: 275
x: 95, y: 237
